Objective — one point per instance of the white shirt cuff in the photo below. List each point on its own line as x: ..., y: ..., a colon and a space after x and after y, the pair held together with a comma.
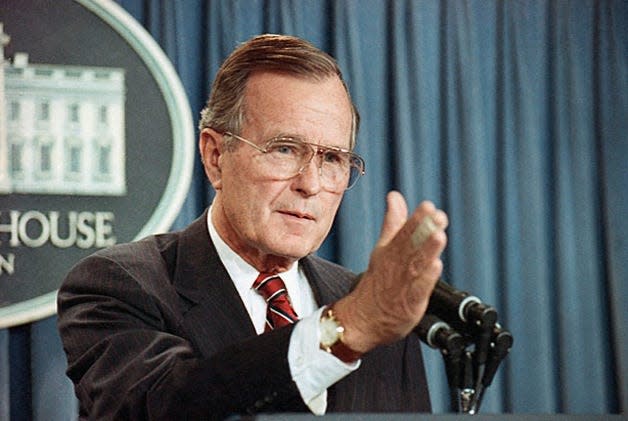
x: 313, y: 369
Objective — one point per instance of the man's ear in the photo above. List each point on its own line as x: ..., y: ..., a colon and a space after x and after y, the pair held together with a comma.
x: 210, y: 145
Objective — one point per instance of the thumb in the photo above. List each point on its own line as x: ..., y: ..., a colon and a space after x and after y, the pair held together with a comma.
x: 395, y: 217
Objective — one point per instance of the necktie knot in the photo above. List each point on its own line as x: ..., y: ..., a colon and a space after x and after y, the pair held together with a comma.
x: 279, y: 311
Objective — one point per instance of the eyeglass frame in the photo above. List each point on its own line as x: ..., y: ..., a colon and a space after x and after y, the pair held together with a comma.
x: 317, y: 150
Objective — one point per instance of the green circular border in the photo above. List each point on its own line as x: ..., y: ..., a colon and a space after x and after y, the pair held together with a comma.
x: 183, y: 145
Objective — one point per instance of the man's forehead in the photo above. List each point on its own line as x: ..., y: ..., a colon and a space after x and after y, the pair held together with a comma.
x: 288, y: 105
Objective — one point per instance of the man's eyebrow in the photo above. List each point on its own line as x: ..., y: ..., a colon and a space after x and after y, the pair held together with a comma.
x: 285, y: 135
x: 289, y: 134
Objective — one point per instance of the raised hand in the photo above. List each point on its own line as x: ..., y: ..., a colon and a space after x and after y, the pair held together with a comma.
x: 393, y: 293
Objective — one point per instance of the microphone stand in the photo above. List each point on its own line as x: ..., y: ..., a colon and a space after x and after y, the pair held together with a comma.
x: 472, y: 351
x: 485, y: 318
x: 501, y: 343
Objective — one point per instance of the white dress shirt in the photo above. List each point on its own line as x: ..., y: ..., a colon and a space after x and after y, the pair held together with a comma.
x: 312, y: 369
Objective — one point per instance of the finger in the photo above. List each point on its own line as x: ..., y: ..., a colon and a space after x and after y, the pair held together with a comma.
x: 395, y: 217
x: 422, y: 231
x: 420, y: 224
x: 434, y: 221
x: 429, y: 251
x: 440, y: 218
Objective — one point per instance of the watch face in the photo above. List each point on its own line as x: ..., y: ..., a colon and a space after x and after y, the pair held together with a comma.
x: 329, y: 332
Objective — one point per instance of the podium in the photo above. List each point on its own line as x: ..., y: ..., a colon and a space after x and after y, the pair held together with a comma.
x: 440, y: 417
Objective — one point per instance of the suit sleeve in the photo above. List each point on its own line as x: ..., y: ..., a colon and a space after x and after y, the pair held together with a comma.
x: 129, y: 361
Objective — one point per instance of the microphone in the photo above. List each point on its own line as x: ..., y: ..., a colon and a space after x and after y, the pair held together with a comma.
x: 471, y: 341
x: 438, y: 334
x: 459, y: 309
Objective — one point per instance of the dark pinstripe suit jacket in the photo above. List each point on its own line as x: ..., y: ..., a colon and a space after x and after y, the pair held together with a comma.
x: 156, y: 330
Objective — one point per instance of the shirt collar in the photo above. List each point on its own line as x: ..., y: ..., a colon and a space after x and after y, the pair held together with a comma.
x: 241, y: 272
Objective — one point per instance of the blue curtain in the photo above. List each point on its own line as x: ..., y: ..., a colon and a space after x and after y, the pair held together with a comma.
x: 510, y: 115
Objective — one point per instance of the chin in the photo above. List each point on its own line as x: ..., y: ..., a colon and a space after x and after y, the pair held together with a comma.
x: 295, y: 251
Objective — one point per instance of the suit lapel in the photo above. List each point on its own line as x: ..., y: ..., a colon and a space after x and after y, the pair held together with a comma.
x: 327, y: 282
x: 214, y: 315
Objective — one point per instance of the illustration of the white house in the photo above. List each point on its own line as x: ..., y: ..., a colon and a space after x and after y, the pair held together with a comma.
x: 61, y: 128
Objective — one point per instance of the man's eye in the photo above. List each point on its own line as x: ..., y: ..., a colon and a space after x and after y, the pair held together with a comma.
x: 333, y: 157
x: 285, y: 148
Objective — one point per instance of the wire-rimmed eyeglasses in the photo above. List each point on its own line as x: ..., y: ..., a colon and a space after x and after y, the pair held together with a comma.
x: 286, y: 157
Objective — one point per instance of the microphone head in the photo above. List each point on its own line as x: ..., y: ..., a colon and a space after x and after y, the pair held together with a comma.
x: 439, y: 335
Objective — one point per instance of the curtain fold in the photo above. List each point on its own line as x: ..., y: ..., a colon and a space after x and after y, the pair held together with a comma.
x: 611, y: 77
x: 512, y: 116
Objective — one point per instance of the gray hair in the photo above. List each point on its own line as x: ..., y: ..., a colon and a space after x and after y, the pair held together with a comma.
x: 224, y: 110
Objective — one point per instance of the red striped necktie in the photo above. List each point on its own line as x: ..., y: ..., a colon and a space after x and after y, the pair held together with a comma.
x: 279, y: 311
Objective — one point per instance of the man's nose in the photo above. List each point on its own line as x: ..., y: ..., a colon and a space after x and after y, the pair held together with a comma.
x: 310, y: 178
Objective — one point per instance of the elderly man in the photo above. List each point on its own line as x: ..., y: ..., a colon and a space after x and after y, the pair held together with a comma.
x: 235, y: 314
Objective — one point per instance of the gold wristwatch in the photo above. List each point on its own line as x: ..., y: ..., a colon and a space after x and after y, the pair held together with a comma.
x: 331, y: 333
